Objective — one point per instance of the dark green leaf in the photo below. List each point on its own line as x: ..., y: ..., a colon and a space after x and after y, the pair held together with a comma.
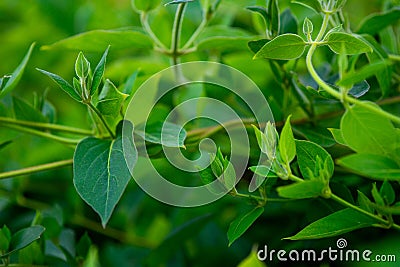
x: 366, y: 131
x: 340, y: 42
x: 262, y: 11
x: 317, y: 135
x: 95, y: 41
x: 256, y: 46
x: 377, y: 196
x: 373, y: 166
x: 4, y: 144
x: 167, y: 134
x: 5, y: 238
x: 64, y: 85
x: 287, y: 145
x: 288, y: 22
x: 301, y: 190
x: 312, y: 4
x: 83, y: 246
x: 207, y: 177
x: 23, y: 238
x: 360, y: 75
x: 99, y: 72
x: 9, y: 84
x: 285, y: 47
x: 307, y: 152
x: 274, y: 23
x: 242, y: 223
x: 374, y: 23
x: 387, y: 192
x: 102, y: 169
x: 336, y: 224
x: 365, y: 203
x: 26, y: 112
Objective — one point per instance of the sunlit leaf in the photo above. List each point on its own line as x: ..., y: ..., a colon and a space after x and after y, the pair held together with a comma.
x: 285, y: 47
x: 239, y: 226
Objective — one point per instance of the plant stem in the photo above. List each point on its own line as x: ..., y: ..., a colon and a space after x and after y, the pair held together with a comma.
x: 196, y: 34
x: 38, y: 168
x: 145, y: 23
x: 332, y: 91
x: 100, y: 116
x: 394, y: 57
x: 176, y: 32
x: 46, y: 126
x: 60, y: 139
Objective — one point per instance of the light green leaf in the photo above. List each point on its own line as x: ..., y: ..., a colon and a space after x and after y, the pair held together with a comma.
x: 145, y: 5
x: 301, y: 190
x: 82, y: 66
x: 102, y: 170
x: 340, y: 42
x: 263, y: 170
x: 287, y: 145
x: 95, y: 41
x: 307, y: 152
x: 261, y: 140
x: 377, y: 196
x: 99, y: 72
x: 252, y: 261
x: 335, y: 224
x: 365, y: 203
x: 64, y: 85
x: 308, y: 27
x: 223, y: 37
x: 377, y: 167
x: 337, y: 134
x: 365, y: 131
x: 242, y: 223
x: 167, y: 134
x: 274, y: 23
x: 176, y: 2
x: 11, y: 82
x: 260, y: 10
x: 284, y: 47
x: 339, y: 4
x: 312, y: 4
x: 387, y: 192
x: 23, y: 238
x: 374, y: 23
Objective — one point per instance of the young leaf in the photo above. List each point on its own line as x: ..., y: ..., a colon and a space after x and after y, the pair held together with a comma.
x: 308, y: 27
x: 312, y: 4
x: 242, y: 223
x: 82, y: 66
x: 23, y: 238
x: 167, y: 134
x: 301, y: 190
x: 363, y: 132
x: 377, y: 196
x: 339, y: 4
x: 12, y: 81
x: 335, y: 224
x: 337, y: 134
x: 207, y: 177
x: 339, y: 42
x: 387, y: 192
x: 145, y: 5
x: 307, y: 152
x: 102, y: 169
x: 274, y: 23
x: 263, y: 170
x: 64, y: 85
x: 365, y: 203
x: 374, y: 23
x: 377, y: 167
x: 26, y: 112
x: 99, y: 72
x: 262, y: 11
x: 287, y: 145
x: 284, y: 47
x: 95, y: 41
x: 5, y: 238
x: 261, y: 140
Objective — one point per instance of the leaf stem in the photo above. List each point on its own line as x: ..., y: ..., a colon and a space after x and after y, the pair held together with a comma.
x: 38, y: 168
x: 332, y: 91
x: 196, y: 34
x: 60, y: 139
x: 176, y: 32
x: 47, y: 126
x: 145, y: 23
x: 394, y: 57
x: 100, y: 116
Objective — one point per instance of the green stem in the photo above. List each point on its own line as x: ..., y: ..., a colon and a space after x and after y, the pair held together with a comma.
x: 100, y: 116
x: 145, y: 23
x: 60, y: 139
x: 394, y: 57
x: 176, y: 32
x: 332, y: 91
x: 196, y: 34
x: 46, y: 126
x: 38, y: 168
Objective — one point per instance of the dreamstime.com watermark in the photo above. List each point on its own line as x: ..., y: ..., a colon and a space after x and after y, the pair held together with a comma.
x: 333, y: 254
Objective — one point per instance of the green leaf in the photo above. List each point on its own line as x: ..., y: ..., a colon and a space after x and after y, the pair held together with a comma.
x: 145, y: 5
x: 374, y: 23
x: 4, y: 144
x: 307, y: 153
x: 223, y: 37
x: 316, y: 134
x: 26, y: 112
x: 288, y: 22
x: 252, y: 261
x: 365, y: 203
x: 82, y: 66
x: 102, y: 169
x: 207, y: 177
x: 99, y: 72
x: 312, y: 4
x: 340, y: 42
x: 95, y: 41
x: 242, y: 223
x: 308, y: 27
x: 301, y: 190
x: 284, y: 47
x: 351, y: 78
x: 337, y: 134
x: 167, y: 134
x: 287, y: 145
x: 260, y: 10
x: 64, y: 85
x: 377, y: 167
x: 5, y: 238
x: 256, y: 46
x: 176, y: 2
x: 377, y: 196
x: 339, y: 4
x: 11, y: 82
x: 23, y: 238
x: 263, y: 170
x: 83, y: 246
x: 261, y: 140
x: 274, y: 23
x: 387, y: 192
x: 335, y: 224
x: 365, y: 131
